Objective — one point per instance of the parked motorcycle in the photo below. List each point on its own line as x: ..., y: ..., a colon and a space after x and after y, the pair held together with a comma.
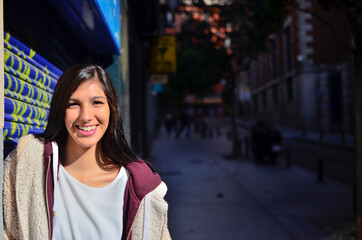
x: 266, y: 142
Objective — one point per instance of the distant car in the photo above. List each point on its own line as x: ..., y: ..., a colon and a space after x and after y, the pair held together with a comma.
x: 266, y: 142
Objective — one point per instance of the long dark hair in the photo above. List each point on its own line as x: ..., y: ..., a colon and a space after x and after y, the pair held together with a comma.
x: 114, y: 143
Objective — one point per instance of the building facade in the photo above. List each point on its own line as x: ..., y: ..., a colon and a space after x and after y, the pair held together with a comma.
x: 305, y: 79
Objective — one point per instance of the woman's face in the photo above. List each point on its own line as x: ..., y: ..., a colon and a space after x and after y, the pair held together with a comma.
x: 87, y: 115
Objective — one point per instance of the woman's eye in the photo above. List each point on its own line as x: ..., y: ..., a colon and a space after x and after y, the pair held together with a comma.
x: 97, y: 102
x: 72, y: 104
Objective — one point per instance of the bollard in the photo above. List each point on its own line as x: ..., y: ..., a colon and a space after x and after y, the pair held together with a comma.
x: 288, y: 159
x: 320, y: 170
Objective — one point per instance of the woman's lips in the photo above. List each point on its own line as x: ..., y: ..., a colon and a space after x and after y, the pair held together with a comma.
x: 87, y: 130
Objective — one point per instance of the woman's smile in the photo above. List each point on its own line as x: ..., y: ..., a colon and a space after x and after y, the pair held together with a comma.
x: 87, y: 130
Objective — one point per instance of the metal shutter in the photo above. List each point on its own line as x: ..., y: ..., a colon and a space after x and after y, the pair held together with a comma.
x: 29, y: 84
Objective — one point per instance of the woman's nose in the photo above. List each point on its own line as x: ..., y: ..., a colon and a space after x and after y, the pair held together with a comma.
x: 86, y: 113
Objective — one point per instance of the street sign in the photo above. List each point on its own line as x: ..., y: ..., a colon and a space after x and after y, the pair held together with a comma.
x: 163, y: 54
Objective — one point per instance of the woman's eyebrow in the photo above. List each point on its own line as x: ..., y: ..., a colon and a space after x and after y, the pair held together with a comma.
x: 92, y: 98
x: 96, y: 97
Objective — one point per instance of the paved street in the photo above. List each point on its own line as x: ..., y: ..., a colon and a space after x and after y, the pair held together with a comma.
x: 214, y: 198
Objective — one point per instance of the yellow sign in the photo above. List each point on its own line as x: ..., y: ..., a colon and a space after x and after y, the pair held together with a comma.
x: 163, y: 54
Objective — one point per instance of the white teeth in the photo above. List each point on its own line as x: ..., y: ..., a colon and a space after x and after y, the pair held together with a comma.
x: 87, y: 128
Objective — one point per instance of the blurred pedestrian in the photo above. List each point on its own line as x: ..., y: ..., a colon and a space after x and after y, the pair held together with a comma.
x: 169, y: 124
x: 80, y: 179
x: 183, y: 126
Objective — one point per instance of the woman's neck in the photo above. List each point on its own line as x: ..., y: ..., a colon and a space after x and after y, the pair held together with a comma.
x: 82, y: 159
x: 85, y: 165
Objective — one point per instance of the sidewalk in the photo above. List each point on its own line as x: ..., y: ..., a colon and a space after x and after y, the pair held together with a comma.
x: 312, y: 136
x: 214, y: 198
x: 334, y: 139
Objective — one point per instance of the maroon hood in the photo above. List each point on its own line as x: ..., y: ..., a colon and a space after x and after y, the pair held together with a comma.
x: 142, y: 180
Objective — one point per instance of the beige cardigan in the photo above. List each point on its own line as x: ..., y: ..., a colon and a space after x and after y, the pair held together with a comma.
x: 25, y: 214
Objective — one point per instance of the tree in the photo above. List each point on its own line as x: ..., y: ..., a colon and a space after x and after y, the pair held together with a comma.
x: 198, y: 69
x: 200, y: 62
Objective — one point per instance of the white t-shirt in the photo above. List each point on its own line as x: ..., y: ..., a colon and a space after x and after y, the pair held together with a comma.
x: 83, y: 212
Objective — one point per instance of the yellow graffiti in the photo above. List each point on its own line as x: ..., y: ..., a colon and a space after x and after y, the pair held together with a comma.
x: 7, y: 37
x: 6, y: 132
x: 27, y: 71
x: 21, y: 88
x: 7, y: 76
x: 28, y: 89
x: 45, y: 69
x: 21, y: 54
x: 20, y: 67
x: 36, y: 75
x: 17, y: 109
x: 32, y: 53
x: 16, y: 86
x: 12, y: 132
x: 23, y: 110
x: 6, y: 56
x: 17, y: 129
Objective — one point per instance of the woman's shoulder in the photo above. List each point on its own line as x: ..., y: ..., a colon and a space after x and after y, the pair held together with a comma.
x: 29, y: 142
x: 143, y: 179
x: 139, y: 168
x: 28, y: 146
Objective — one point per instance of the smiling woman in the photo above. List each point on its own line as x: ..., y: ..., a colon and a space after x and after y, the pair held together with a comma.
x: 87, y: 116
x: 96, y: 186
